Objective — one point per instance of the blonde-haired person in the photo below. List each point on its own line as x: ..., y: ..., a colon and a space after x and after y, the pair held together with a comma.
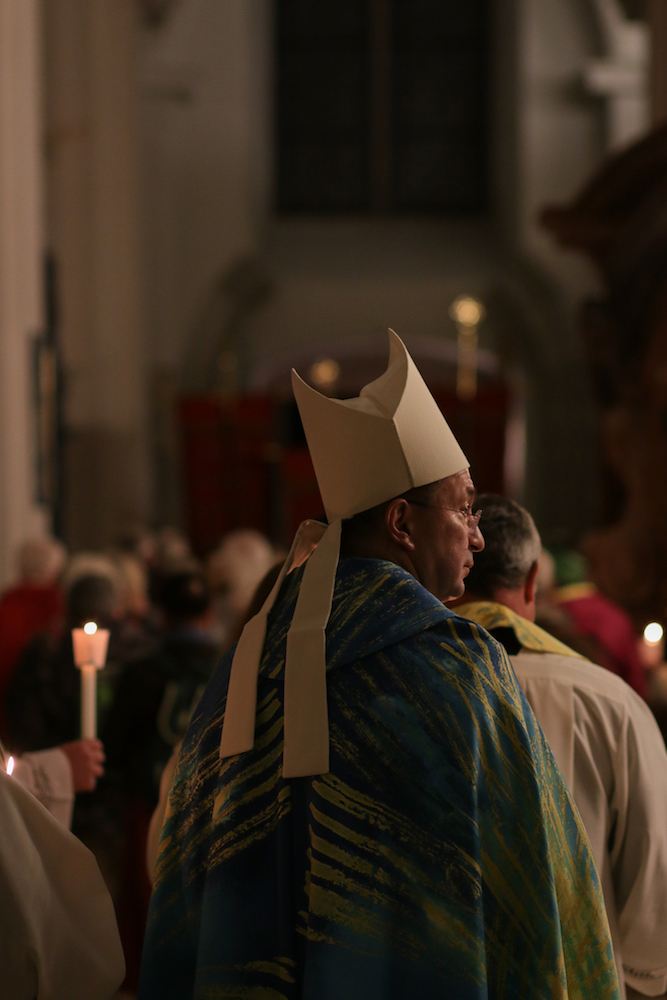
x: 233, y: 571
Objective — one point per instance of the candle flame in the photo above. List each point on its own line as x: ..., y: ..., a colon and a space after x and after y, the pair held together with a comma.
x: 324, y: 373
x: 653, y: 632
x: 467, y: 311
x: 10, y: 765
x: 90, y: 628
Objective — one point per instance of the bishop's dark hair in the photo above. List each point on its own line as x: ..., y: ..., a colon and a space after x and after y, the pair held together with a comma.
x: 355, y: 530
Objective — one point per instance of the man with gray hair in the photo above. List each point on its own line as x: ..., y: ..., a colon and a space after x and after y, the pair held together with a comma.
x: 603, y: 736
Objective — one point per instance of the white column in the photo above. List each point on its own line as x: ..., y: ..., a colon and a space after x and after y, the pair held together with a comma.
x: 94, y: 231
x: 21, y: 250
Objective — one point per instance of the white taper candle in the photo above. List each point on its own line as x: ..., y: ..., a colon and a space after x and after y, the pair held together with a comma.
x: 88, y: 701
x: 90, y: 653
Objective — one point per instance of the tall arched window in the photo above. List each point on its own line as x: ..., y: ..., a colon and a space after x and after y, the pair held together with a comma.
x: 382, y: 105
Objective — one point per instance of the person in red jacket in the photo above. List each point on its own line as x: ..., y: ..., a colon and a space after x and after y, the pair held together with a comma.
x: 31, y: 606
x: 596, y: 617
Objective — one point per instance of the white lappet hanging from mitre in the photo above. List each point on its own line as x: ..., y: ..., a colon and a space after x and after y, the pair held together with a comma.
x: 365, y: 451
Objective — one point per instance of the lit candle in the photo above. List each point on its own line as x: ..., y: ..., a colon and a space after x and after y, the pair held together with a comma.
x: 653, y: 645
x: 90, y: 653
x: 10, y: 765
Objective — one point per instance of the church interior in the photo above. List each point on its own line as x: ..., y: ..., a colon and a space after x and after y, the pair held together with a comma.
x: 198, y: 196
x: 180, y: 230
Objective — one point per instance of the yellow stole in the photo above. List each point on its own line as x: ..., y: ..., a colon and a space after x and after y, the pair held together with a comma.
x: 491, y: 615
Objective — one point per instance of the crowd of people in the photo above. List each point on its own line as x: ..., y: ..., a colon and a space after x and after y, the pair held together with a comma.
x: 170, y: 616
x: 424, y: 765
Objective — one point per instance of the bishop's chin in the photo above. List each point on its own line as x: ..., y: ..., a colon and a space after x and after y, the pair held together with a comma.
x: 454, y: 593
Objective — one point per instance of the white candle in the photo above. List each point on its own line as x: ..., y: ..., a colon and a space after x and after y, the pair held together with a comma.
x: 90, y: 653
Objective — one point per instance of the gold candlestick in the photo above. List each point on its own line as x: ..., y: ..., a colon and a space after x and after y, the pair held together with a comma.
x: 467, y: 313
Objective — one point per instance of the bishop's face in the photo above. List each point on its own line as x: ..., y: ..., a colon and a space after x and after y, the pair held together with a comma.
x: 446, y: 538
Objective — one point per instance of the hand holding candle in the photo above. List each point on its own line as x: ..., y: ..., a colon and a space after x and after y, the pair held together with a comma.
x: 90, y: 653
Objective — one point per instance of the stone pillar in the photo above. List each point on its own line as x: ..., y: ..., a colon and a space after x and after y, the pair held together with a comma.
x: 657, y: 17
x: 94, y: 233
x: 21, y: 253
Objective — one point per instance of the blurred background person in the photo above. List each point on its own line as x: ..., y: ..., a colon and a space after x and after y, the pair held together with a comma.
x: 137, y: 629
x: 156, y: 696
x: 598, y: 619
x: 32, y: 605
x: 43, y: 700
x: 153, y: 704
x: 44, y: 704
x: 137, y: 540
x: 173, y: 552
x: 262, y: 591
x: 132, y: 625
x: 550, y: 616
x: 233, y: 571
x: 133, y: 585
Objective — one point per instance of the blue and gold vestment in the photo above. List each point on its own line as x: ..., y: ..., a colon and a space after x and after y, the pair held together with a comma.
x: 441, y: 856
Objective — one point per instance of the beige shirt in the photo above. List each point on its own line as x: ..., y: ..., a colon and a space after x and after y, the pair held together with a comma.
x: 609, y: 747
x: 58, y: 933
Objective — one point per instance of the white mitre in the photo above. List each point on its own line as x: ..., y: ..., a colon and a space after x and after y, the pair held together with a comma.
x: 365, y: 451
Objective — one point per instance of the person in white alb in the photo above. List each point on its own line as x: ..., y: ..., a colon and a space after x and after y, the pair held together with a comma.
x: 54, y: 776
x: 604, y: 738
x: 58, y: 933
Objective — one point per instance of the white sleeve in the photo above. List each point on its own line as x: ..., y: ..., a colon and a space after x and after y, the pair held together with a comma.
x: 639, y: 851
x: 58, y: 933
x: 47, y: 774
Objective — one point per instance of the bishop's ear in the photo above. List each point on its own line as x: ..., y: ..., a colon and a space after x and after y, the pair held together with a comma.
x: 398, y: 518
